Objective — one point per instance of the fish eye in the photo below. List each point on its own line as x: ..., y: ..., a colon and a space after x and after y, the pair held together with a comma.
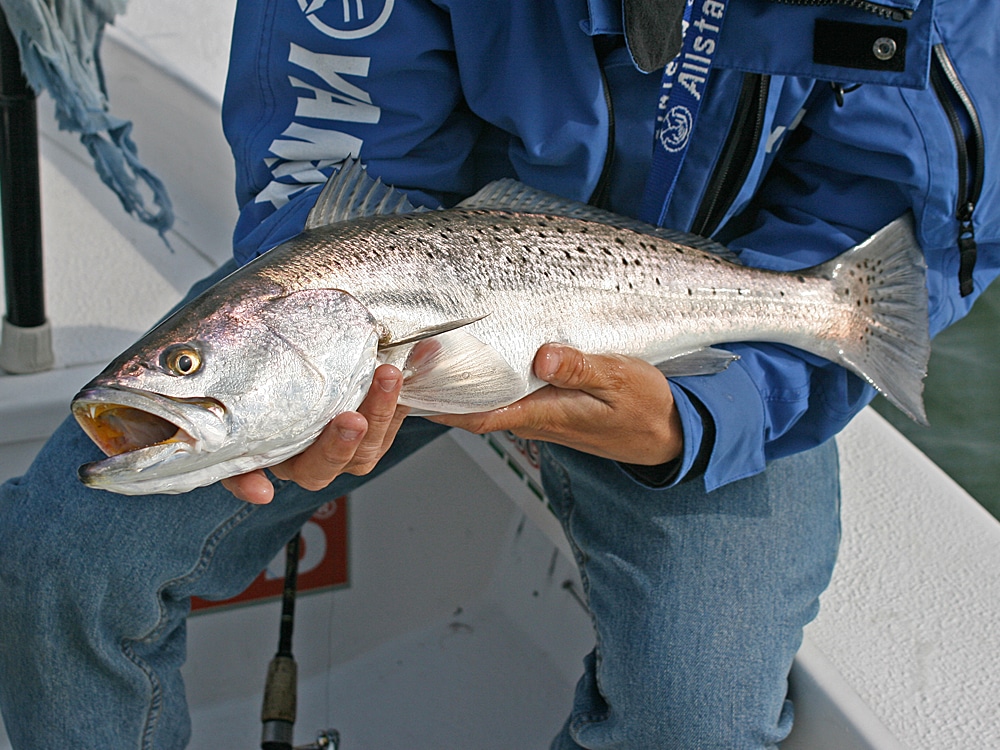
x: 182, y: 359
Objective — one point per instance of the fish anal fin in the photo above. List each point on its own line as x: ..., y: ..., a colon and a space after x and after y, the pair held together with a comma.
x: 707, y: 361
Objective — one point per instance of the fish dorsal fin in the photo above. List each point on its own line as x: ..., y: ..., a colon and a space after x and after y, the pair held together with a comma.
x: 510, y: 195
x: 429, y: 332
x: 457, y: 373
x: 351, y: 194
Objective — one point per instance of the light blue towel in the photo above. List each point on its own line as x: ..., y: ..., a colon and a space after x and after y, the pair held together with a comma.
x: 59, y: 42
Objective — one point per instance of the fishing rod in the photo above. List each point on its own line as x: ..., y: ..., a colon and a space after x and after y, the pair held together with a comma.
x: 278, y: 711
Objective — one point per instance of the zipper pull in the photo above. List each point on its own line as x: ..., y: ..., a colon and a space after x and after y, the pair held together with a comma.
x: 839, y: 90
x: 966, y: 249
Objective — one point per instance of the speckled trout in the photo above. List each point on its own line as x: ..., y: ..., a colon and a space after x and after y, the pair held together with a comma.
x: 247, y: 374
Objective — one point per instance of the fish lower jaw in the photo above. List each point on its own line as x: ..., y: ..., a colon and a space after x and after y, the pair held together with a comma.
x: 175, y: 468
x: 130, y: 467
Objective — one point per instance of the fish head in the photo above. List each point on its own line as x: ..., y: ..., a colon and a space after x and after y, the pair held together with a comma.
x: 224, y: 386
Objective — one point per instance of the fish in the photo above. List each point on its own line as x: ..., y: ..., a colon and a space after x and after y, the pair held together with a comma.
x: 248, y: 373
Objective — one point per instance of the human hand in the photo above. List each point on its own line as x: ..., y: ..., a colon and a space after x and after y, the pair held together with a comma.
x: 612, y: 406
x: 352, y: 443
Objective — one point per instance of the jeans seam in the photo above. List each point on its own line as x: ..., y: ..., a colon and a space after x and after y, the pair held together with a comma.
x: 207, y: 553
x: 155, y: 700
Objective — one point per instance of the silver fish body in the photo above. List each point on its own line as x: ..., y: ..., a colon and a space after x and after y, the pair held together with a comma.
x: 460, y: 299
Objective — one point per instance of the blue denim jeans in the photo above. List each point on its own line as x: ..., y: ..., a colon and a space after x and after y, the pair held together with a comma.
x: 698, y: 600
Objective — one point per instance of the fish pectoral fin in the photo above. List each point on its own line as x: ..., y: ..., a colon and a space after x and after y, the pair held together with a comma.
x: 429, y: 332
x: 706, y: 361
x: 456, y: 373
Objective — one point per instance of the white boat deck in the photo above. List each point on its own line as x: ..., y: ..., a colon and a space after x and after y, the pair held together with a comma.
x: 460, y: 627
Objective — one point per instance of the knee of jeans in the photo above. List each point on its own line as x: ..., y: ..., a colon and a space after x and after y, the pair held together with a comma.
x: 45, y: 545
x: 661, y: 707
x: 697, y: 729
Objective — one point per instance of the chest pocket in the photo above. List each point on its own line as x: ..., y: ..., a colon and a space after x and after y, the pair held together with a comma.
x: 878, y: 43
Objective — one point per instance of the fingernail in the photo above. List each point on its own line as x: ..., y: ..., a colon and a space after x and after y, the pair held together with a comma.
x: 388, y: 383
x: 551, y: 361
x: 348, y: 435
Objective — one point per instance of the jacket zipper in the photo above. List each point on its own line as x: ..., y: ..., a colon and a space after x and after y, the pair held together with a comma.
x: 882, y: 11
x: 737, y: 156
x: 599, y: 196
x: 962, y: 115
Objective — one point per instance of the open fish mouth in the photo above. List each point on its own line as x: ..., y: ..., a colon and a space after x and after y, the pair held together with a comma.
x: 138, y: 430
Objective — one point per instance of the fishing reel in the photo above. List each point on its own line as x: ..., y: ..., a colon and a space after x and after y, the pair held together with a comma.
x: 326, y: 740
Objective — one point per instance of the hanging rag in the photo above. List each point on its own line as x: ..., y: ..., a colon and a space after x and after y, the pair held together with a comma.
x: 59, y: 42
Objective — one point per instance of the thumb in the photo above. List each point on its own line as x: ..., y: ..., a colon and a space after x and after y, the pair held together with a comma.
x: 565, y: 367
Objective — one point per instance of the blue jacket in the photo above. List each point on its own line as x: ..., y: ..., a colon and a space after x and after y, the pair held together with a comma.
x: 789, y: 164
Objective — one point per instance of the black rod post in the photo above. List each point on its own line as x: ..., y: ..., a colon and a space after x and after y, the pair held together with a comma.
x: 27, y: 344
x: 21, y: 204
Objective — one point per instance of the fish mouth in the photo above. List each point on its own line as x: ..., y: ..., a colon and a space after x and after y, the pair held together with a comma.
x: 138, y: 429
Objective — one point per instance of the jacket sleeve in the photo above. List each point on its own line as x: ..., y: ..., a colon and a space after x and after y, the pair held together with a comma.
x: 848, y: 171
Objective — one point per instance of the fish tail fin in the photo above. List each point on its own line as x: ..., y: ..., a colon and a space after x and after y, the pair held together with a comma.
x: 883, y: 282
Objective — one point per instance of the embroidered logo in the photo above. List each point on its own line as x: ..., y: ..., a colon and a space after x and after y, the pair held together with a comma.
x: 675, y: 129
x: 347, y: 19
